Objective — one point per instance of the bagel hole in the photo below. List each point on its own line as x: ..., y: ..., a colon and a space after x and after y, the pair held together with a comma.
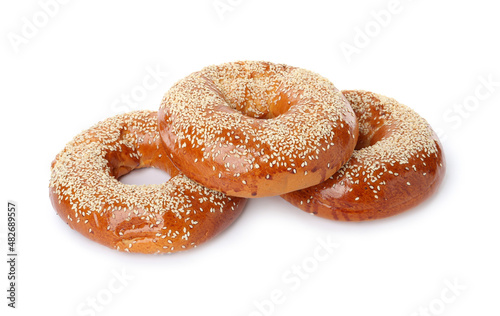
x: 145, y: 176
x: 376, y: 134
x: 264, y: 109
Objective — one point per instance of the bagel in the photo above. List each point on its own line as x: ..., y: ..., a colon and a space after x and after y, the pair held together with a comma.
x: 84, y: 189
x: 397, y: 164
x: 254, y: 129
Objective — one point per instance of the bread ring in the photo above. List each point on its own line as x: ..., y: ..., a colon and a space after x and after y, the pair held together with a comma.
x: 169, y: 217
x: 253, y: 129
x: 398, y: 163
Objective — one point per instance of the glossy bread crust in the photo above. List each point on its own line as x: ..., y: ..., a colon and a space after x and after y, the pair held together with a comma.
x: 169, y: 217
x: 254, y: 129
x: 397, y: 164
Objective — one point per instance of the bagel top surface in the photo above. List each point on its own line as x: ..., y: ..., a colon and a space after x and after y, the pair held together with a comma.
x: 397, y: 164
x: 173, y: 216
x: 253, y: 129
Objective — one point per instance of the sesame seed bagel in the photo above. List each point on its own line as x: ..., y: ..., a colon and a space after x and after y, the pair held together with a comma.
x: 397, y: 164
x: 169, y: 217
x: 254, y: 129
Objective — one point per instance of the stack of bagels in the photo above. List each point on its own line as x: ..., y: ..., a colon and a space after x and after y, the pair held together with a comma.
x: 244, y: 130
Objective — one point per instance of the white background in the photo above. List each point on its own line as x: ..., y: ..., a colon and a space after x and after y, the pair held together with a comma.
x: 70, y: 71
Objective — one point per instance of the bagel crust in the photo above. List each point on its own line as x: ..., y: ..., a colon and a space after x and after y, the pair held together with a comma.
x: 254, y: 129
x: 397, y: 164
x: 169, y: 217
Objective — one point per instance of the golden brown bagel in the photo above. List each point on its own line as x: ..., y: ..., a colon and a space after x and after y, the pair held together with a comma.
x: 398, y: 163
x: 169, y: 217
x: 253, y: 129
